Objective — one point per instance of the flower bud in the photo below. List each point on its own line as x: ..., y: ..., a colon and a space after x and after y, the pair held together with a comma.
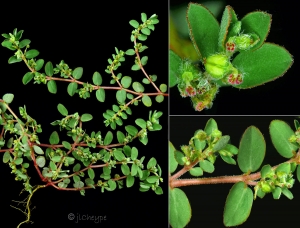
x: 217, y: 65
x: 216, y: 133
x: 265, y: 187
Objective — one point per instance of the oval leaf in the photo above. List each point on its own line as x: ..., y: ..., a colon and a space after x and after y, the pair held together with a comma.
x: 108, y: 138
x: 97, y: 79
x: 280, y: 133
x: 54, y: 138
x: 100, y: 95
x: 49, y: 69
x: 252, y: 150
x: 62, y: 109
x: 180, y: 211
x: 126, y: 81
x: 138, y: 87
x: 175, y: 62
x: 32, y: 54
x: 40, y: 161
x: 265, y: 64
x: 72, y: 87
x: 121, y: 96
x: 77, y: 72
x: 238, y: 205
x: 204, y: 30
x: 52, y: 86
x: 86, y: 117
x: 146, y: 101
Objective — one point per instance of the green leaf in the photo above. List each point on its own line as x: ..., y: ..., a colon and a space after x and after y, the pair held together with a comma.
x: 24, y: 43
x: 163, y: 88
x: 172, y: 161
x: 207, y: 166
x: 134, y: 169
x: 129, y: 181
x: 159, y: 98
x: 159, y: 190
x: 265, y: 64
x: 204, y: 30
x: 100, y: 95
x: 196, y: 171
x: 131, y: 130
x: 97, y: 79
x: 49, y: 69
x: 120, y: 137
x: 53, y: 166
x: 54, y: 138
x: 276, y: 193
x: 112, y: 185
x: 91, y: 173
x: 134, y: 23
x: 138, y: 87
x: 238, y: 205
x: 38, y: 149
x: 130, y: 52
x: 135, y: 67
x: 8, y: 98
x: 151, y: 163
x: 180, y: 211
x: 76, y: 167
x: 52, y: 86
x: 252, y: 150
x: 67, y: 145
x: 144, y: 60
x: 298, y: 173
x: 62, y: 109
x: 175, y: 62
x: 225, y: 23
x: 56, y: 158
x: 77, y: 73
x: 119, y: 155
x: 32, y: 54
x: 40, y: 161
x: 152, y: 179
x: 8, y: 45
x: 6, y: 157
x: 146, y: 31
x: 146, y: 101
x: 14, y: 59
x: 121, y: 96
x: 144, y: 17
x: 108, y: 138
x: 72, y: 87
x: 258, y: 23
x: 228, y: 160
x: 39, y: 64
x: 125, y: 169
x: 141, y: 123
x: 134, y: 153
x: 232, y: 149
x: 126, y: 81
x: 287, y: 193
x: 210, y: 126
x: 86, y: 117
x: 222, y: 142
x: 27, y: 78
x: 280, y: 133
x: 265, y: 170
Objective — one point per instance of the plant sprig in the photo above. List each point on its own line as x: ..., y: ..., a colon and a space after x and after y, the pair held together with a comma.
x: 207, y: 145
x: 69, y: 165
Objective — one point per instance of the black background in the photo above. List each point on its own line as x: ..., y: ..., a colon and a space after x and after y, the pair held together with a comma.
x: 275, y: 98
x: 207, y: 201
x: 84, y: 35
